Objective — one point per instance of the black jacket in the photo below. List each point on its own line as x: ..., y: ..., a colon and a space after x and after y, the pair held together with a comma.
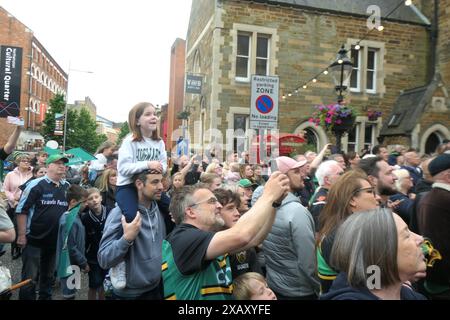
x: 109, y: 199
x: 94, y: 226
x: 341, y: 290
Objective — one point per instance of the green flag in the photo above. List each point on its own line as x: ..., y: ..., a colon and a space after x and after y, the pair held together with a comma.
x: 63, y: 258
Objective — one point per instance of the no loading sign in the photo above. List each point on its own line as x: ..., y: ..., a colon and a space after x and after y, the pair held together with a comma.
x: 264, y: 104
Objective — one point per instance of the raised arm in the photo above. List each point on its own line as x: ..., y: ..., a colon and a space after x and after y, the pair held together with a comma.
x: 12, y: 141
x: 254, y: 225
x: 318, y: 160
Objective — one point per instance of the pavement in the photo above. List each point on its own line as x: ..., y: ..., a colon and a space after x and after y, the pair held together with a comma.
x: 15, y: 267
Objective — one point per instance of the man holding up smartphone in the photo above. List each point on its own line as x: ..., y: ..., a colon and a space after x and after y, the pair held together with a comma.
x: 289, y: 246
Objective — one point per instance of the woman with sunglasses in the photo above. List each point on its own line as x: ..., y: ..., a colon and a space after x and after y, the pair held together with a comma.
x: 351, y: 193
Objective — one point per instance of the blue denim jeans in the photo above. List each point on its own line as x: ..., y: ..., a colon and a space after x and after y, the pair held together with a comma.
x: 38, y: 264
x: 127, y: 199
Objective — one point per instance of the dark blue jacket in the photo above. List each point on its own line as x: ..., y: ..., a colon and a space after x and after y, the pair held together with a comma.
x: 416, y: 174
x: 43, y: 202
x: 341, y: 290
x: 405, y: 208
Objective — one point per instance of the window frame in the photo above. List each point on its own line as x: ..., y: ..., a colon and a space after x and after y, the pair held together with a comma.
x: 372, y: 133
x: 358, y: 74
x: 378, y: 72
x: 247, y: 127
x: 356, y: 142
x: 374, y: 70
x: 250, y: 36
x: 254, y: 34
x: 267, y: 58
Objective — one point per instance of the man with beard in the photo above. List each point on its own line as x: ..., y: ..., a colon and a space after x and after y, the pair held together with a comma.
x: 381, y: 176
x: 138, y: 243
x: 195, y: 255
x: 289, y: 248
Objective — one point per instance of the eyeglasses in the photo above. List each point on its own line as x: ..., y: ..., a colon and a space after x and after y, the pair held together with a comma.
x: 368, y: 190
x: 212, y: 200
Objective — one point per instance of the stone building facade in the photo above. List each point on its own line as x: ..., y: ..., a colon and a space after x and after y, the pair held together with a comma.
x: 42, y: 78
x: 229, y: 40
x: 87, y: 103
x: 421, y: 115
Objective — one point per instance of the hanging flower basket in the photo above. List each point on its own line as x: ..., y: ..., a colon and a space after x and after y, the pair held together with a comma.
x: 346, y: 125
x: 334, y: 117
x: 373, y: 115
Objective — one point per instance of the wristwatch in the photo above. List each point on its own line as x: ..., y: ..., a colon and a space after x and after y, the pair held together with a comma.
x: 276, y: 204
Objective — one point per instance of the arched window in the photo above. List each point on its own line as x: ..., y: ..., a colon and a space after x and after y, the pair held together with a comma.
x: 315, y: 137
x: 311, y: 138
x: 433, y: 141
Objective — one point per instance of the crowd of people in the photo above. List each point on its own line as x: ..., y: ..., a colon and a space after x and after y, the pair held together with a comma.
x: 314, y: 226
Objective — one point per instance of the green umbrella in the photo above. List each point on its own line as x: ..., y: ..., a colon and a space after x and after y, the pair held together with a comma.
x: 78, y: 155
x: 51, y: 151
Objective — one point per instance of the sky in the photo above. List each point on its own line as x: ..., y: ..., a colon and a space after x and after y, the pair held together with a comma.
x: 125, y: 44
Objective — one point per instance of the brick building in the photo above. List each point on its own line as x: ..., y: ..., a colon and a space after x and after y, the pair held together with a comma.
x: 421, y: 115
x: 41, y: 79
x: 176, y: 93
x: 87, y: 103
x: 229, y: 40
x: 108, y: 128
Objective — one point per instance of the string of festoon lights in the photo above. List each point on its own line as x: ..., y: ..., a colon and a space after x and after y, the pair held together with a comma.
x: 357, y: 46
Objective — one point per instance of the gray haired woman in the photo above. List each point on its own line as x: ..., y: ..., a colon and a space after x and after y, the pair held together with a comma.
x: 377, y: 255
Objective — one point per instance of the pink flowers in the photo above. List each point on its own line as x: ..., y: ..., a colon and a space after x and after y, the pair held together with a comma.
x: 333, y: 115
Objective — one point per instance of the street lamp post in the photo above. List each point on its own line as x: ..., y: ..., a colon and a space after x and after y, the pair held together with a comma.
x: 341, y: 69
x: 67, y: 103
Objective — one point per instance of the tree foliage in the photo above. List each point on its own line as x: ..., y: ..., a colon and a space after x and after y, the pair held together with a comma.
x: 81, y: 127
x: 84, y: 133
x: 57, y: 105
x: 124, y: 131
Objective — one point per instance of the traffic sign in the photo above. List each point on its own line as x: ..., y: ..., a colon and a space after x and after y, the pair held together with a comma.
x: 264, y: 102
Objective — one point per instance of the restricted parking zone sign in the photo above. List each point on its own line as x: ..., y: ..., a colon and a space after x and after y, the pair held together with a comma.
x: 264, y: 102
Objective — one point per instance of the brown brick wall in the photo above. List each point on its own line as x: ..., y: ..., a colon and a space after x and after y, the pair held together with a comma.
x: 201, y: 12
x: 444, y: 41
x: 405, y: 141
x: 431, y: 118
x: 14, y: 33
x: 308, y: 43
x: 205, y: 56
x: 176, y: 89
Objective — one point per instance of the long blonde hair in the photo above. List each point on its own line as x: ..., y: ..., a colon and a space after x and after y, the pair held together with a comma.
x: 104, y: 179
